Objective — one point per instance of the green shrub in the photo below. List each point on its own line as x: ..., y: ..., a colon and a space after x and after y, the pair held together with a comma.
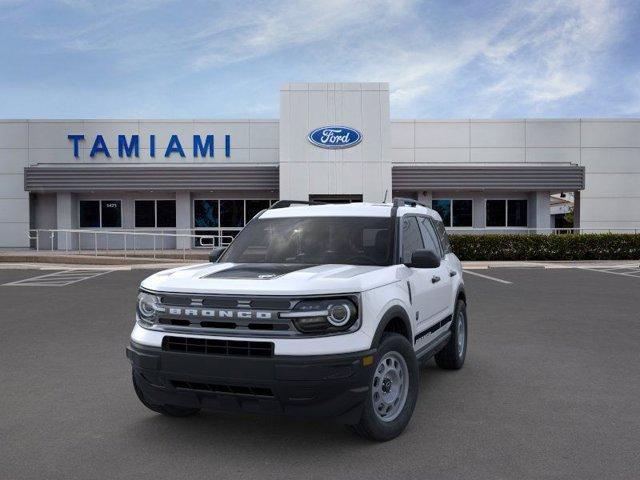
x: 587, y: 246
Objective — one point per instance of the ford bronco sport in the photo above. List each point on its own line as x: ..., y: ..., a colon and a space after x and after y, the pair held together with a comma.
x: 313, y: 310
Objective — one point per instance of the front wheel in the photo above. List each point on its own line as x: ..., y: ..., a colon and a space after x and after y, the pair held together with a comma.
x: 452, y: 356
x: 393, y: 390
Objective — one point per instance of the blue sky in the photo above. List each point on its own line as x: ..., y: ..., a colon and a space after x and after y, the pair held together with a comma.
x: 227, y: 59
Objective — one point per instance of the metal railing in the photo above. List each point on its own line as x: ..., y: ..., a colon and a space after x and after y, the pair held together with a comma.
x: 127, y: 241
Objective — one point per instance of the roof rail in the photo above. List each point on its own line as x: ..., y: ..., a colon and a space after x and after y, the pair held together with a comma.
x: 407, y: 202
x: 288, y: 203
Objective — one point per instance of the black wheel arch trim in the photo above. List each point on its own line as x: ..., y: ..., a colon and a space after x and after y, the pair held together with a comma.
x: 392, y: 313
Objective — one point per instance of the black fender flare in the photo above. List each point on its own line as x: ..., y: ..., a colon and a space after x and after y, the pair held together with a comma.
x: 394, y: 312
x: 461, y: 294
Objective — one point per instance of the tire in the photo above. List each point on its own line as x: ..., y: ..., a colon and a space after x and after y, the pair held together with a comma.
x: 452, y: 356
x: 395, y: 354
x: 169, y: 410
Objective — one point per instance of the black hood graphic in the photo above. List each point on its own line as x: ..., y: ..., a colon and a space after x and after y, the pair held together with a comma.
x: 259, y: 271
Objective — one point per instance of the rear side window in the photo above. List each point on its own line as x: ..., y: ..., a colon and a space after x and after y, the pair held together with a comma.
x: 442, y: 235
x: 411, y: 238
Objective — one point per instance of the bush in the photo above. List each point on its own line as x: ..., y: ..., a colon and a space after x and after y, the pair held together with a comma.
x: 587, y: 246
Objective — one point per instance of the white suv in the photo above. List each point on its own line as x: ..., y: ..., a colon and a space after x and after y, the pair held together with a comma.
x: 321, y: 311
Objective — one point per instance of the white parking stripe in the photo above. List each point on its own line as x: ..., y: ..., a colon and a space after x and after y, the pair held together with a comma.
x: 59, y: 279
x: 499, y: 280
x: 634, y: 274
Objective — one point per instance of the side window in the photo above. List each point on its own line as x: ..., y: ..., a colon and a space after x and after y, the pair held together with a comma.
x: 429, y: 235
x: 411, y: 238
x: 442, y: 235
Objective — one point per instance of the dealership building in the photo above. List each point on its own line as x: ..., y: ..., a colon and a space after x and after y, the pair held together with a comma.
x: 211, y: 176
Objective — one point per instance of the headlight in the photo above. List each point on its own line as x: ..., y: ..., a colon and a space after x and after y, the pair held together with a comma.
x: 147, y: 307
x: 328, y: 315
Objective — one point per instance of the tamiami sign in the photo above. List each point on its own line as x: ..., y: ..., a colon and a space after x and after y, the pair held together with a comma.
x: 129, y: 146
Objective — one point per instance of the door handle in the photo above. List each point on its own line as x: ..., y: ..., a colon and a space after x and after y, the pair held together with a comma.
x: 453, y: 273
x: 435, y: 279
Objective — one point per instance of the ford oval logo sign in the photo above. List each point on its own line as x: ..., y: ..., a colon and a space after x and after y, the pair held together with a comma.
x: 335, y: 136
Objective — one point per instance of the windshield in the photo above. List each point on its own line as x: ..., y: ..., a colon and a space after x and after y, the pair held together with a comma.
x: 314, y: 240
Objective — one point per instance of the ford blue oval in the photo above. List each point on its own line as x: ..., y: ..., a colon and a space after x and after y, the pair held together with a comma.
x: 335, y: 136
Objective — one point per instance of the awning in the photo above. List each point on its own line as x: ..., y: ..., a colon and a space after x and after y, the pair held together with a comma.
x: 557, y: 178
x: 65, y: 178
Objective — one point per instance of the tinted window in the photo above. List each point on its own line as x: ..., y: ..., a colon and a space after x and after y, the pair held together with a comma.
x: 145, y: 213
x: 314, y: 240
x: 517, y: 213
x: 255, y: 206
x: 443, y: 207
x: 429, y: 236
x: 232, y: 213
x: 205, y: 213
x: 442, y: 235
x: 166, y: 213
x: 90, y: 214
x: 411, y: 238
x: 111, y: 214
x: 462, y: 213
x: 496, y: 213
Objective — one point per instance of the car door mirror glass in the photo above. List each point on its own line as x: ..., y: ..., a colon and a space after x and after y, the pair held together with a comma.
x: 424, y: 259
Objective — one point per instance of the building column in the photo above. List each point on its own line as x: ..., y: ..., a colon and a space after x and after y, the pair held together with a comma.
x: 183, y: 220
x: 576, y: 209
x: 539, y: 212
x: 66, y: 219
x: 426, y: 198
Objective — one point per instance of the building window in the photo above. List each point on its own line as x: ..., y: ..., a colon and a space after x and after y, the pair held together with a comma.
x: 232, y: 213
x: 455, y: 213
x: 517, y: 213
x: 155, y: 213
x: 255, y: 206
x: 507, y: 213
x: 100, y: 213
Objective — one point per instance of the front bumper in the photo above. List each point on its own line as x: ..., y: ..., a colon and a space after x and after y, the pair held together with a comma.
x: 318, y: 386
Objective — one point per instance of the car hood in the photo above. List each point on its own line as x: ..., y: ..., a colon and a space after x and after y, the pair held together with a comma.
x: 270, y: 279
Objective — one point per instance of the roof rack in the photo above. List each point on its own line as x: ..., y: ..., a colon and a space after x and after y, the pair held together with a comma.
x: 407, y: 202
x: 288, y: 203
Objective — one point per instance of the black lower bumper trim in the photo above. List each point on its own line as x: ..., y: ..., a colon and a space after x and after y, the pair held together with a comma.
x: 324, y: 386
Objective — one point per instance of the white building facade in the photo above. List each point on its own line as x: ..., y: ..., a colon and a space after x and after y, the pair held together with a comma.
x: 204, y: 176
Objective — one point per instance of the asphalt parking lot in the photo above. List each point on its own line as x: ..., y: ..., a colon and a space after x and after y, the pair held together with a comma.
x: 551, y: 389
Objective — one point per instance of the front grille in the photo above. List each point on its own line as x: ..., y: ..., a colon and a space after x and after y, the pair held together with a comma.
x: 209, y: 346
x: 229, y: 389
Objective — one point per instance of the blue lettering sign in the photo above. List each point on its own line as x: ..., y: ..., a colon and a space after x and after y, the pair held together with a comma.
x: 335, y: 136
x: 99, y: 146
x: 131, y: 148
x: 75, y: 139
x: 198, y: 147
x: 152, y: 146
x: 174, y: 147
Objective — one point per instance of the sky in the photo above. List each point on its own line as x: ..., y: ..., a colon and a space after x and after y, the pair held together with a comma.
x: 228, y: 59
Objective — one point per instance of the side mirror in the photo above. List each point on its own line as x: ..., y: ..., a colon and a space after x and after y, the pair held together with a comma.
x: 424, y: 259
x: 215, y: 254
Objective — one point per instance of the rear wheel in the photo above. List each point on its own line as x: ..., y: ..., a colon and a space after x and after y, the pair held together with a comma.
x: 169, y: 410
x: 393, y: 390
x: 452, y: 356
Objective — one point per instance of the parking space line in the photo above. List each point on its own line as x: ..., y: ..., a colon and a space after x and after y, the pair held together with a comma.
x: 615, y: 271
x: 60, y: 278
x: 499, y: 280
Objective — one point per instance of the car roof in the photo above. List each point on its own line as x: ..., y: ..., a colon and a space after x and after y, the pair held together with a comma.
x: 360, y: 209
